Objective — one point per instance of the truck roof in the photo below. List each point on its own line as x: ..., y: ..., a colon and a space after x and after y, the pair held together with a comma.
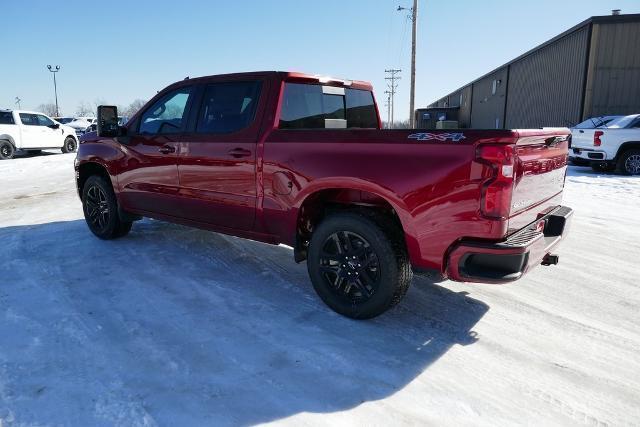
x: 293, y: 76
x: 22, y: 111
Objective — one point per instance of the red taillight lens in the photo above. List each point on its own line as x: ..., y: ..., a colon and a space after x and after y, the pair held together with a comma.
x: 498, y: 188
x: 596, y: 138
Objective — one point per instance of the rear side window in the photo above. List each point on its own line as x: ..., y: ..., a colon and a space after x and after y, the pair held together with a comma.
x: 29, y: 119
x: 6, y: 118
x: 228, y: 107
x: 166, y: 115
x: 361, y: 111
x: 306, y: 106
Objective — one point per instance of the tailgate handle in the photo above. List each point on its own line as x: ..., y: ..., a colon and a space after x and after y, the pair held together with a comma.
x: 239, y: 152
x: 554, y: 140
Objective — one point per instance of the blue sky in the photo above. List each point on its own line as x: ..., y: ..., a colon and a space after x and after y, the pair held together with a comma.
x: 130, y: 49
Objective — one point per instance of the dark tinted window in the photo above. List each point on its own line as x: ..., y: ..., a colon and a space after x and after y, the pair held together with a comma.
x: 166, y: 115
x: 29, y: 119
x: 361, y: 111
x: 6, y: 118
x: 305, y: 106
x: 228, y: 107
x: 302, y: 107
x: 44, y: 120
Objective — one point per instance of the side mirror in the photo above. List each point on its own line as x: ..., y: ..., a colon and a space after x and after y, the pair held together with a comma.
x: 108, y: 121
x: 54, y: 126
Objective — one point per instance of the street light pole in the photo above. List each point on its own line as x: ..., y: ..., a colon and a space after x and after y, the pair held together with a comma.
x: 54, y: 70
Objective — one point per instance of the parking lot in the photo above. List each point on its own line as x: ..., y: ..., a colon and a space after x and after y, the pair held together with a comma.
x: 178, y: 326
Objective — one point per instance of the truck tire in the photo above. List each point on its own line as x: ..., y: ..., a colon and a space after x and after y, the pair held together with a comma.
x: 629, y: 162
x: 100, y: 208
x: 6, y: 150
x: 358, y: 264
x: 70, y: 145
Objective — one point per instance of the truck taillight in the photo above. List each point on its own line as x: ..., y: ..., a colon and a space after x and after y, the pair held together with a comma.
x: 498, y: 188
x: 596, y: 138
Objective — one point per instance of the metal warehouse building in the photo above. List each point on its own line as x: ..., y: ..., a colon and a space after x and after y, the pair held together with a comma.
x: 592, y: 69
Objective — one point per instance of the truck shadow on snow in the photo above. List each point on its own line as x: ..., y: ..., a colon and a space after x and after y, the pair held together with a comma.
x: 183, y: 326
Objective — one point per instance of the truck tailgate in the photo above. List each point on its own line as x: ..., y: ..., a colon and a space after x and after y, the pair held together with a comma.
x: 540, y: 169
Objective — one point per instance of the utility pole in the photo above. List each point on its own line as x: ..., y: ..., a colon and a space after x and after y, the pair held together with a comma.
x: 388, y: 105
x: 414, y: 32
x: 54, y: 70
x: 18, y: 102
x: 392, y: 87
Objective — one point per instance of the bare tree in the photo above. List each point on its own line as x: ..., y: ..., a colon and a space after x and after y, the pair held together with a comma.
x: 49, y: 109
x: 398, y: 124
x: 84, y: 109
x: 133, y: 108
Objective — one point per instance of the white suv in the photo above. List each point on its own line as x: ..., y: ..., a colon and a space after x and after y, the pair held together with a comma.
x: 33, y: 131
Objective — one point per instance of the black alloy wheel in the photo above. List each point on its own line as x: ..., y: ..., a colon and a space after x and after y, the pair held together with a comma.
x: 349, y: 266
x: 358, y: 263
x: 100, y: 208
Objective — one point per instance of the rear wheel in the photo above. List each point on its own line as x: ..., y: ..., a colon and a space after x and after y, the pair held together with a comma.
x: 69, y: 145
x: 356, y: 268
x: 629, y: 163
x: 100, y: 208
x: 6, y: 150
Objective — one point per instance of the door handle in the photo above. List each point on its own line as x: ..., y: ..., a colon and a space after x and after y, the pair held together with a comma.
x: 239, y: 152
x: 166, y: 149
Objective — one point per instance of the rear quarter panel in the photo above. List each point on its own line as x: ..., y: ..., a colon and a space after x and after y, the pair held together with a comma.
x: 434, y: 186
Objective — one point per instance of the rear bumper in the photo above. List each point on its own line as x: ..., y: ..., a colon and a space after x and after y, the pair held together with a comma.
x: 588, y: 154
x: 509, y: 260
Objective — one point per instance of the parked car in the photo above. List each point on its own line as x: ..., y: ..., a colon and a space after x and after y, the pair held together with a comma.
x: 33, y: 131
x: 81, y: 125
x: 122, y: 120
x: 615, y: 146
x: 595, y: 122
x: 298, y: 159
x: 591, y: 123
x: 64, y: 120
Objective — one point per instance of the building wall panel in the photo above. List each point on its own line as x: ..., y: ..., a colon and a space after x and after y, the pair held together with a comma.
x: 488, y: 100
x: 546, y: 87
x: 614, y: 76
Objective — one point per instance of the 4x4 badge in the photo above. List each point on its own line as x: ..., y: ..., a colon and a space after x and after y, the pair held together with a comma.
x: 427, y: 136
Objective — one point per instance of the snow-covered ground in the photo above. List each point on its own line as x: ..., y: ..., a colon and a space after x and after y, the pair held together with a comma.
x: 175, y: 326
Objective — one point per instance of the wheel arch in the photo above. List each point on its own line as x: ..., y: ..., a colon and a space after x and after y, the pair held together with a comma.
x: 87, y: 169
x: 321, y: 200
x: 629, y: 145
x: 9, y: 139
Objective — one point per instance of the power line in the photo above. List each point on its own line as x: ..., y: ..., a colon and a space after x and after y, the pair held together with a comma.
x: 392, y: 85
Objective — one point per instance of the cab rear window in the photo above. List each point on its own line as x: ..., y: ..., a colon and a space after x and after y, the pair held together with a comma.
x: 308, y: 106
x: 6, y: 118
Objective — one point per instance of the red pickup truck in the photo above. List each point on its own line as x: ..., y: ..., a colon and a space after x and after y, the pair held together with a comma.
x: 299, y: 159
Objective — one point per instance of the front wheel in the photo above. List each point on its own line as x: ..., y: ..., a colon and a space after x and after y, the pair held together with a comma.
x: 69, y: 145
x: 357, y: 269
x: 100, y: 208
x: 6, y: 150
x: 629, y: 162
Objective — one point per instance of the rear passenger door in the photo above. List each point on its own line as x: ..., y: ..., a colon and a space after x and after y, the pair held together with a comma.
x: 217, y: 160
x: 31, y: 132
